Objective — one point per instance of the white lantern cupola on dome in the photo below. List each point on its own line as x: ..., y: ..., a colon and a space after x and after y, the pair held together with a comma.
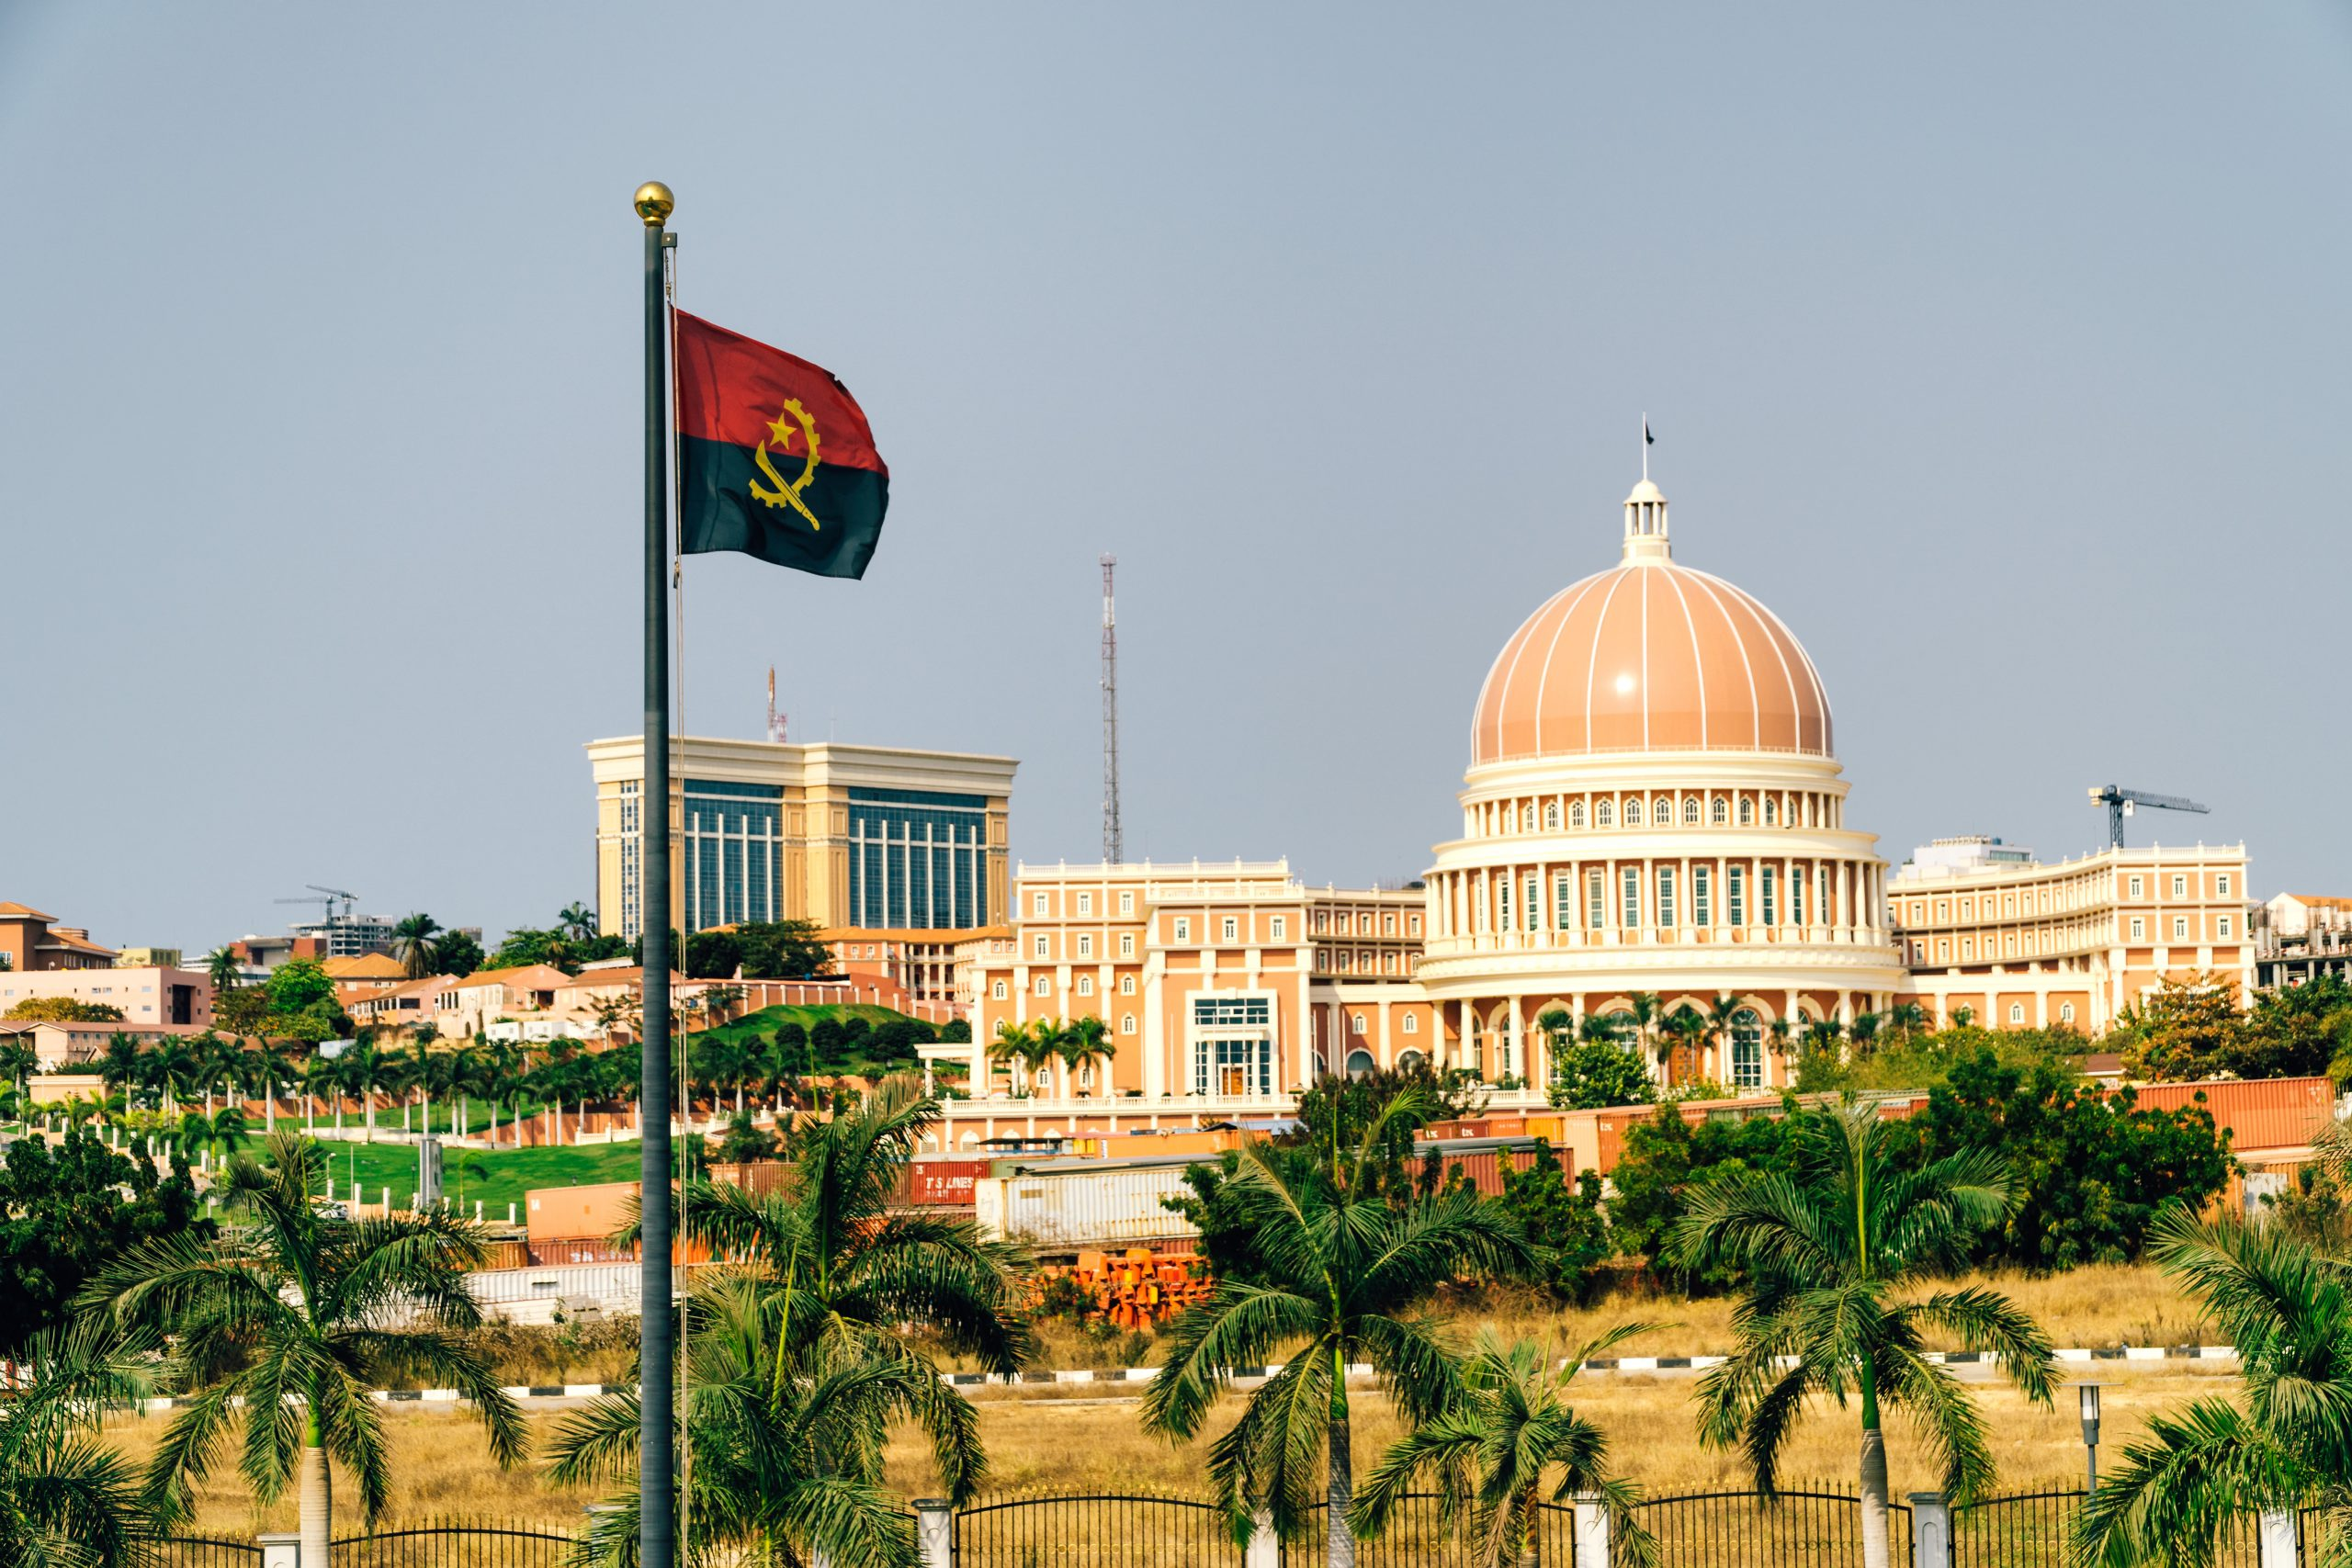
x: 1646, y: 538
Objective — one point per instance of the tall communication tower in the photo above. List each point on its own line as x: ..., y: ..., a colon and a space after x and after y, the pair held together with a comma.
x: 775, y: 719
x: 1114, y: 847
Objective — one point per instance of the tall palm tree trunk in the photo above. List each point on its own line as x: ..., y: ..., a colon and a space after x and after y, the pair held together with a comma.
x: 1873, y: 1472
x: 1339, y: 1540
x: 316, y: 1499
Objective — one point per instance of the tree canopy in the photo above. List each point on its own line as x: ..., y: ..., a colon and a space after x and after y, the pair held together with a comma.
x: 67, y: 1211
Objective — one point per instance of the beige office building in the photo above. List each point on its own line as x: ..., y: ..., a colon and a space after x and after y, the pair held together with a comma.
x: 870, y: 837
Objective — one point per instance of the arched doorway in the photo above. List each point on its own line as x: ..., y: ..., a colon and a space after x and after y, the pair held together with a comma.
x: 1360, y: 1063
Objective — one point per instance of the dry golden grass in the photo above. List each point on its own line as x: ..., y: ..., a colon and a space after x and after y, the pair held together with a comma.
x: 1080, y: 1438
x: 1086, y: 1436
x: 2103, y: 1305
x: 1067, y: 1445
x: 439, y: 1465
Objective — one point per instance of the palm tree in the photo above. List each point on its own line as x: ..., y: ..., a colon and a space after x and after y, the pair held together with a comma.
x: 19, y: 1060
x: 1681, y: 1031
x: 2285, y: 1442
x: 1603, y: 1029
x: 1906, y: 1018
x: 788, y: 1439
x: 171, y: 1069
x: 363, y: 1067
x: 1011, y: 1050
x: 1046, y: 1037
x: 1340, y: 1268
x: 1825, y: 1249
x: 413, y: 945
x: 578, y: 921
x: 1491, y: 1451
x: 1644, y: 1007
x: 222, y: 1132
x: 67, y: 1500
x: 122, y: 1068
x: 1086, y: 1040
x: 307, y: 1308
x: 1863, y: 1031
x: 221, y: 967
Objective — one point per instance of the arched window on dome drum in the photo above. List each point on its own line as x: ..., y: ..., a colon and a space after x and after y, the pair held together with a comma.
x: 1604, y: 814
x: 1717, y: 813
x: 1746, y: 812
x: 1772, y: 812
x: 1747, y: 1050
x: 1552, y: 817
x: 1634, y: 812
x: 1662, y: 812
x: 1689, y: 811
x: 1527, y: 817
x: 1575, y: 814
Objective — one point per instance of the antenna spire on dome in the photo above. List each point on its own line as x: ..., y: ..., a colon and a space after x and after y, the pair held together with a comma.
x: 1648, y: 441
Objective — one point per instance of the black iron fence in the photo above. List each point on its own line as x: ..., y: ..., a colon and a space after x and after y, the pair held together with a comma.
x: 1808, y: 1526
x: 1803, y: 1527
x: 454, y: 1544
x: 207, y: 1551
x: 1115, y: 1530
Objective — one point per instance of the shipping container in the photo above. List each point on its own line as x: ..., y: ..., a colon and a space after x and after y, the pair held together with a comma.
x: 2257, y: 1113
x: 934, y: 1181
x: 1068, y: 1204
x: 596, y: 1211
x: 1480, y: 1162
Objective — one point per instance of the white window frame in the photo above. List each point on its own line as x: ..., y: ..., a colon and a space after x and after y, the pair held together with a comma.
x: 1280, y: 927
x: 1413, y: 1024
x: 1183, y: 929
x: 1086, y: 944
x: 999, y: 992
x: 1126, y: 985
x: 1229, y: 929
x: 1039, y: 948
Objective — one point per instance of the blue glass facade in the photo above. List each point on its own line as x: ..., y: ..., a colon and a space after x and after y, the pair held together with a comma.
x: 918, y: 858
x: 731, y: 847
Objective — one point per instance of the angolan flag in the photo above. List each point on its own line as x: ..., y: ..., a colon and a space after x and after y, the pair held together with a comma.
x: 774, y: 456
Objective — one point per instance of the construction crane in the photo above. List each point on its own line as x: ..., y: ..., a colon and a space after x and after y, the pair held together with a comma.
x: 2119, y: 803
x: 325, y: 898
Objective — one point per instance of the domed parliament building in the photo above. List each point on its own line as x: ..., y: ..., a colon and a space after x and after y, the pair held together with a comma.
x: 1654, y: 815
x: 1654, y: 804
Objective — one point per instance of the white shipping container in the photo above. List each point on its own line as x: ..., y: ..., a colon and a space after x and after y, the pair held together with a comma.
x: 1082, y: 1208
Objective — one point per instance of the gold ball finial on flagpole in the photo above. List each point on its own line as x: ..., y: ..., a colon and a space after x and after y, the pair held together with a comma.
x: 654, y: 203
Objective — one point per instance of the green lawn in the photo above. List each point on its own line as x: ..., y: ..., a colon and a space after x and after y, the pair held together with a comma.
x: 767, y: 1020
x: 501, y: 1179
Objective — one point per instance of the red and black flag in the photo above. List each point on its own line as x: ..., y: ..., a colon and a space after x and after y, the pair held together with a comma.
x: 774, y: 456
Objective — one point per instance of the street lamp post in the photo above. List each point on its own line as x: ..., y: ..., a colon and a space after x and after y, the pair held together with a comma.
x: 2088, y: 1394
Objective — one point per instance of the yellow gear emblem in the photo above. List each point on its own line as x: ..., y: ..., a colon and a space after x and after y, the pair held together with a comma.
x: 793, y: 420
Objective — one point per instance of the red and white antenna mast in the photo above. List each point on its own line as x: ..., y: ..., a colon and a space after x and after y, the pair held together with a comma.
x: 775, y: 719
x: 1114, y: 846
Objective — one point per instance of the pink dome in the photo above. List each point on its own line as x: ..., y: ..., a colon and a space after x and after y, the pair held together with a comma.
x: 1650, y: 656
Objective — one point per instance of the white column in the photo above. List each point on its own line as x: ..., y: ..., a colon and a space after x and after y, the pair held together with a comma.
x: 1591, y: 1534
x: 1930, y: 1530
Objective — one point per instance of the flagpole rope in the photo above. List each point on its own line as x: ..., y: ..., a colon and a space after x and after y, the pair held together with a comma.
x: 678, y: 709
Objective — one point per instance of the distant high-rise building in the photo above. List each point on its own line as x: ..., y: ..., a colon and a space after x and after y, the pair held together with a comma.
x: 865, y: 837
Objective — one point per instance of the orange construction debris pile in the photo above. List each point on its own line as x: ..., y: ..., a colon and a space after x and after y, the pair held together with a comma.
x: 1134, y: 1289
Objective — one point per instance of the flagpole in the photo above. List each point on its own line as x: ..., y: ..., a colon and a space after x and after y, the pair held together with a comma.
x: 655, y: 1533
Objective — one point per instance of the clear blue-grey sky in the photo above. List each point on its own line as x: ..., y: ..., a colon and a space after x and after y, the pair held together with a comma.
x: 2002, y: 350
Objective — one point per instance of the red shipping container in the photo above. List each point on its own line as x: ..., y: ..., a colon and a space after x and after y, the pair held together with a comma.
x: 945, y: 1183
